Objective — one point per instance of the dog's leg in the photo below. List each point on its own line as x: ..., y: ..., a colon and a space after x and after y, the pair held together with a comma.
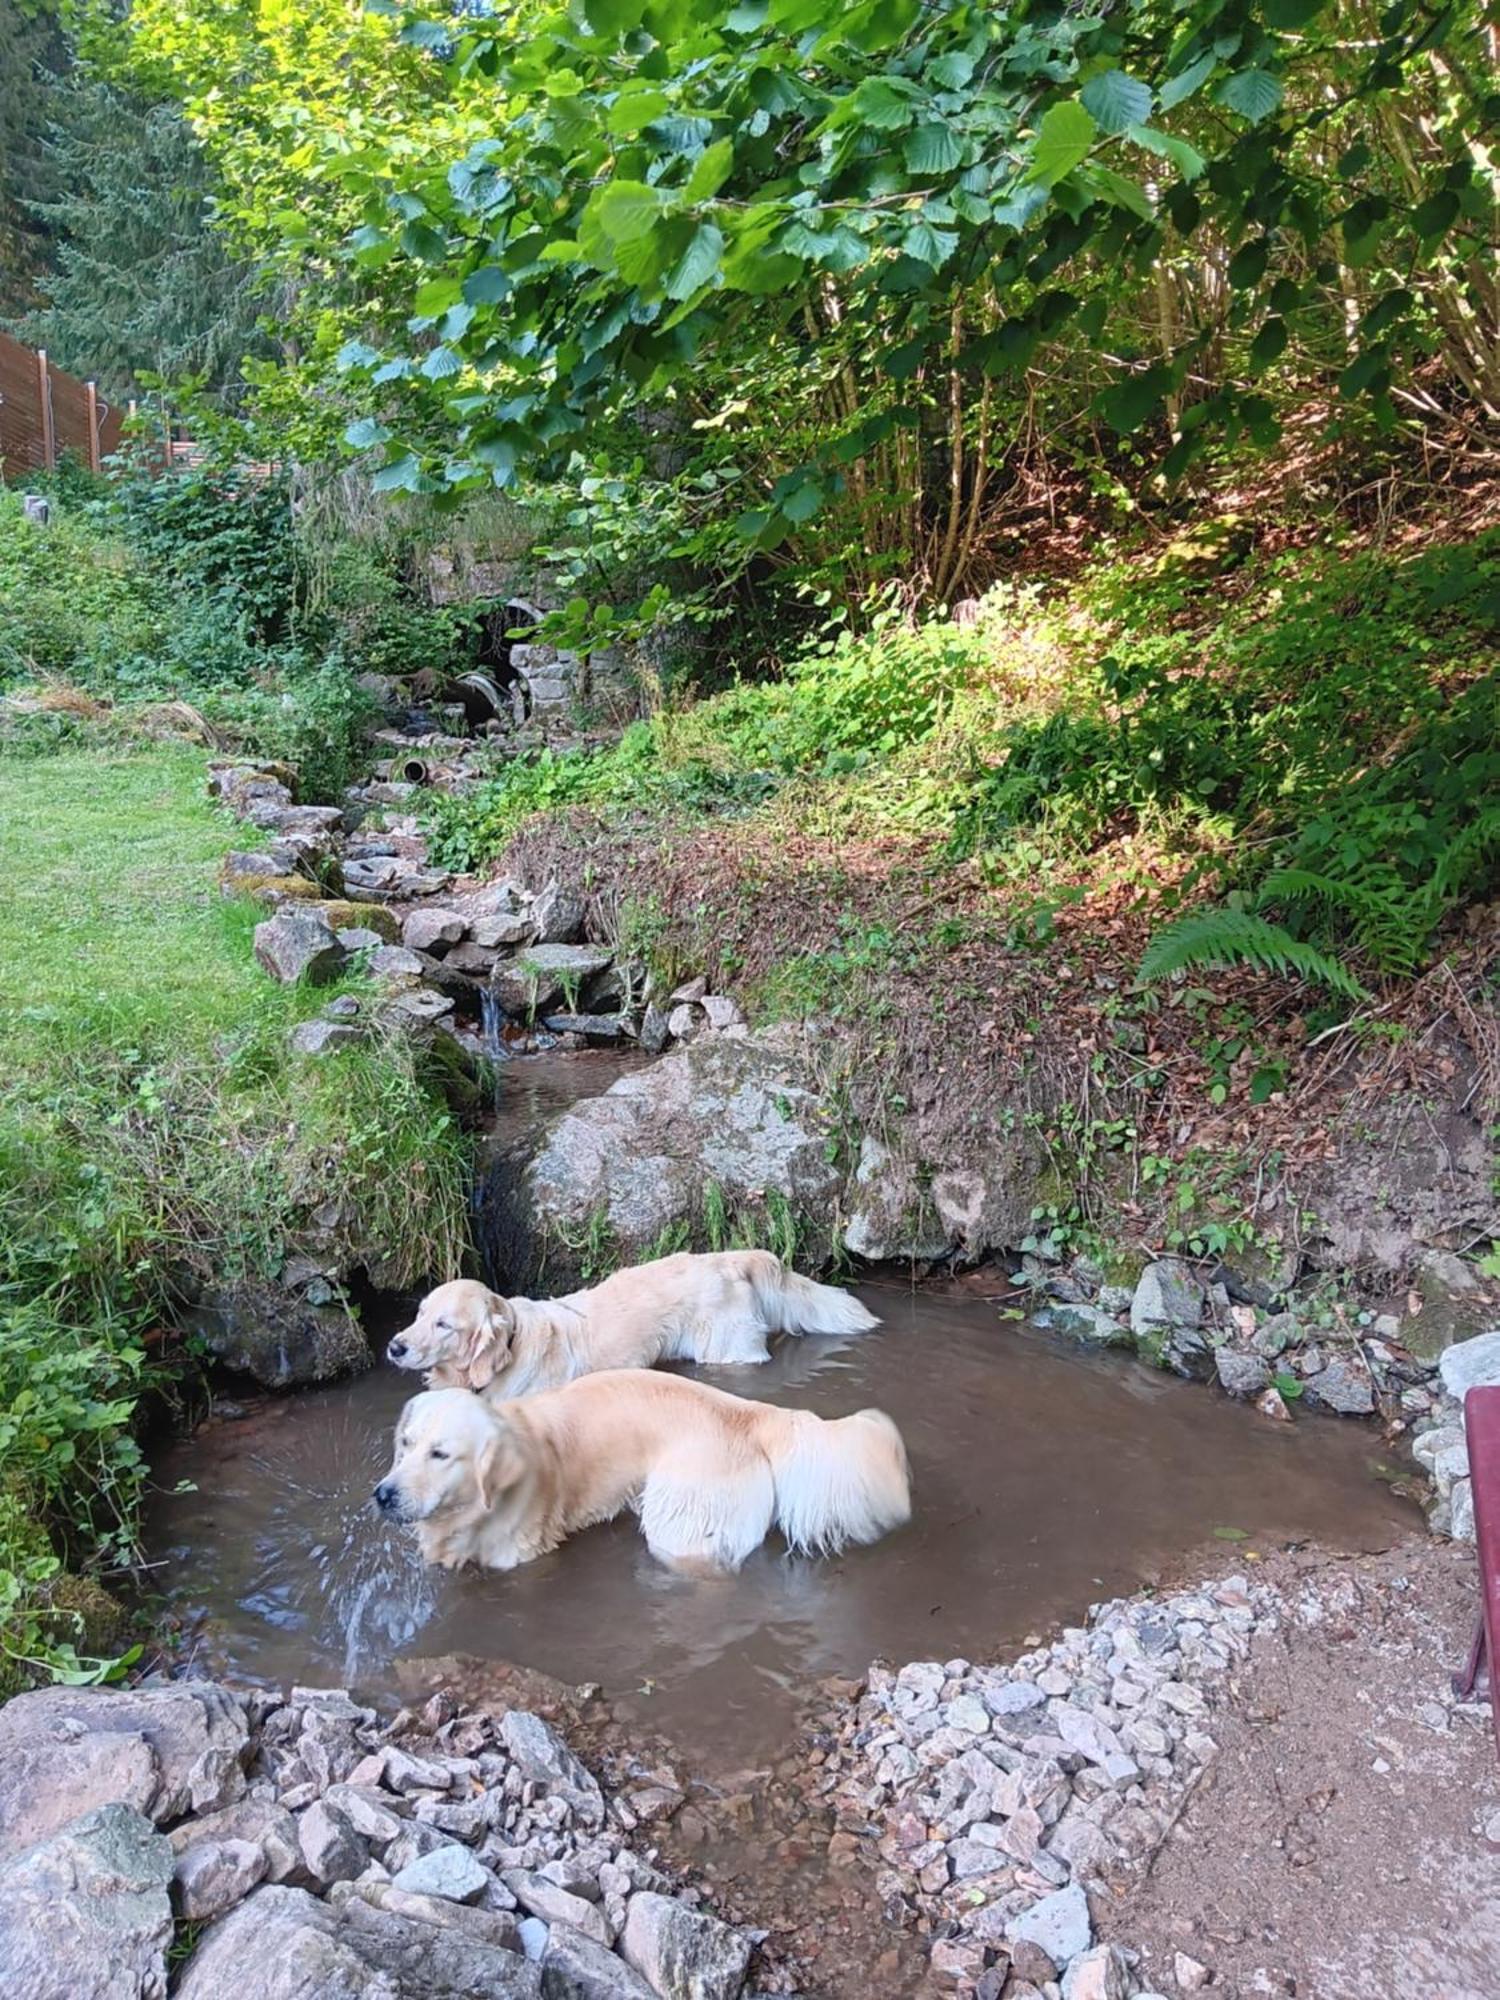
x: 697, y: 1514
x: 732, y: 1335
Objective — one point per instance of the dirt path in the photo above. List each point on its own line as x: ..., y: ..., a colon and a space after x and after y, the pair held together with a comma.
x: 1345, y: 1845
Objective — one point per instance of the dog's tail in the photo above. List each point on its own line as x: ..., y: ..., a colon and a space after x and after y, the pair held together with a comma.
x: 838, y: 1482
x: 790, y: 1303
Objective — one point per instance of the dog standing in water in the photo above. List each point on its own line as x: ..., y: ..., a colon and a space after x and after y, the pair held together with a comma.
x: 716, y: 1308
x: 709, y: 1474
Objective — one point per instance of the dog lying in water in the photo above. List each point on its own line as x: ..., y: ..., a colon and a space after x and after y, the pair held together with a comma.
x: 719, y: 1307
x: 709, y: 1474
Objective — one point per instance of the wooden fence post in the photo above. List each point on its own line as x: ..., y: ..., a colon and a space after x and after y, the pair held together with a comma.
x: 94, y: 453
x: 49, y: 436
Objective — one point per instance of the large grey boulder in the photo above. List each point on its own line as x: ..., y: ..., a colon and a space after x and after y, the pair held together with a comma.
x: 541, y: 974
x: 575, y: 1967
x: 283, y: 1944
x: 681, y: 1953
x: 1059, y: 1924
x: 275, y: 1337
x: 738, y: 1112
x: 162, y: 1751
x: 1166, y: 1315
x: 260, y: 1822
x: 1471, y: 1364
x: 213, y: 1875
x: 85, y: 1914
x: 298, y: 944
x: 890, y: 1214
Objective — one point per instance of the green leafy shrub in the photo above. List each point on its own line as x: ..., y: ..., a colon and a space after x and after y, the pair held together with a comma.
x: 224, y: 534
x: 310, y: 713
x: 70, y: 594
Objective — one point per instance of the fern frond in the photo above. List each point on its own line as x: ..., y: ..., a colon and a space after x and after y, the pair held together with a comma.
x: 1464, y: 855
x: 1234, y: 937
x: 1390, y: 919
x: 1305, y: 885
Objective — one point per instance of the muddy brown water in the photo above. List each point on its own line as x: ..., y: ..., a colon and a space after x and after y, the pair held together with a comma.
x: 1044, y: 1478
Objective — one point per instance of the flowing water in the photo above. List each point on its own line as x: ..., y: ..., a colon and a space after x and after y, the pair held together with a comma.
x: 1044, y: 1477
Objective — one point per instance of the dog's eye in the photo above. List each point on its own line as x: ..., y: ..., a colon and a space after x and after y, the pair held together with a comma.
x: 437, y: 1453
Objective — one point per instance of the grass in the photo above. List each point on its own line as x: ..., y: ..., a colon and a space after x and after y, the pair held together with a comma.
x: 155, y: 1135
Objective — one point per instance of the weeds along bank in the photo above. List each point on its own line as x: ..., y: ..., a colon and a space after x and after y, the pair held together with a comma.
x: 156, y: 1136
x: 1178, y: 877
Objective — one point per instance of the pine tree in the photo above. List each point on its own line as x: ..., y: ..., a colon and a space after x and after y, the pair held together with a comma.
x: 141, y: 283
x: 33, y: 55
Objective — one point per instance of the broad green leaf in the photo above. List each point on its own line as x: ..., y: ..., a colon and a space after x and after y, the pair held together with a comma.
x: 356, y: 354
x: 1167, y: 146
x: 612, y: 18
x: 1248, y: 264
x: 1178, y: 88
x: 950, y: 72
x: 487, y: 286
x: 699, y: 263
x: 711, y: 169
x: 435, y: 297
x: 428, y: 35
x: 803, y: 501
x: 635, y: 106
x: 440, y: 364
x: 1386, y: 311
x: 1269, y: 344
x: 1253, y: 93
x: 879, y: 102
x: 422, y: 241
x: 400, y: 476
x: 1120, y: 191
x: 932, y: 149
x: 625, y: 211
x: 496, y: 452
x: 364, y: 432
x: 1062, y: 141
x: 1435, y: 216
x: 1292, y: 14
x: 929, y: 245
x: 1116, y: 101
x: 1130, y: 403
x: 837, y: 249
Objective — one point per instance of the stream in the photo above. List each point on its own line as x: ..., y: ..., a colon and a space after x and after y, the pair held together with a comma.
x: 1045, y: 1476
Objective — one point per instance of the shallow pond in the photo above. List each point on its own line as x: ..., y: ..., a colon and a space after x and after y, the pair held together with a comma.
x: 1044, y: 1477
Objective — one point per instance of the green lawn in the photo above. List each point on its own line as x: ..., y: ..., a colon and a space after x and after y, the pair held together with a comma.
x: 155, y: 1135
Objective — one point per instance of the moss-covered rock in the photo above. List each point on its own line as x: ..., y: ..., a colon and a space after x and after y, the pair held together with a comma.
x: 341, y: 915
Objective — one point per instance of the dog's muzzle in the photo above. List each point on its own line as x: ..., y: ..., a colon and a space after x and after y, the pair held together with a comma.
x: 396, y: 1351
x: 388, y: 1496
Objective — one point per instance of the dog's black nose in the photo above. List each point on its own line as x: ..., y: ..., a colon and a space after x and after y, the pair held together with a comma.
x: 385, y: 1496
x: 397, y: 1350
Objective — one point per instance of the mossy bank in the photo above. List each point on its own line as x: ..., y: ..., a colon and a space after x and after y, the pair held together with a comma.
x: 159, y: 1140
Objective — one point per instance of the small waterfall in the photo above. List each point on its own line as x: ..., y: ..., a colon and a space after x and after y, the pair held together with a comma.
x: 490, y: 1017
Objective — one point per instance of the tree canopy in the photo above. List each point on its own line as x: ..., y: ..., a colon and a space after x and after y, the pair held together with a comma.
x: 529, y: 236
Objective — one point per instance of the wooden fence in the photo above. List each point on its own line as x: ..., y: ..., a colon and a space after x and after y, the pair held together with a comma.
x: 44, y: 411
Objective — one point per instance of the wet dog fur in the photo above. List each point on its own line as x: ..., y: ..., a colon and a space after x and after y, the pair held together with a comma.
x: 709, y: 1474
x: 715, y: 1308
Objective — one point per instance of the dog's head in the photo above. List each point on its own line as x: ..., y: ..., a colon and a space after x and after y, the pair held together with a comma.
x: 453, y: 1456
x: 461, y: 1336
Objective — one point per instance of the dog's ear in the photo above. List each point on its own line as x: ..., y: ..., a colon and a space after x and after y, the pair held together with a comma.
x: 489, y: 1344
x: 499, y: 1464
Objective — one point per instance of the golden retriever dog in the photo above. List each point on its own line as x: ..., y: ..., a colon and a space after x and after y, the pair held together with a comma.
x: 719, y: 1307
x: 709, y: 1474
